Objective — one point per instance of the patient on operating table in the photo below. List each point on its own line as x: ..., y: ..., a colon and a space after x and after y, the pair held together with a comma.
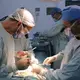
x: 22, y: 60
x: 25, y: 64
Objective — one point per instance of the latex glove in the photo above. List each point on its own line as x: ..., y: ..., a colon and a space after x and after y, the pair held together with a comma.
x: 49, y: 60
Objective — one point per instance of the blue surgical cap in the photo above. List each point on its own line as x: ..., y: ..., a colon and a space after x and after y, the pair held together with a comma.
x: 55, y: 10
x: 71, y: 13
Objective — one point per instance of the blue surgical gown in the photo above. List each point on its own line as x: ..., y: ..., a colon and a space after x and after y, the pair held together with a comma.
x: 71, y: 69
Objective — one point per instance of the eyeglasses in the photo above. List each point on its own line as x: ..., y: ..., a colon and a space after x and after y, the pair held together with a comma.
x: 26, y: 28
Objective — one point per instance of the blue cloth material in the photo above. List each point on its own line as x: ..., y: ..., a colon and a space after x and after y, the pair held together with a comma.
x: 71, y: 13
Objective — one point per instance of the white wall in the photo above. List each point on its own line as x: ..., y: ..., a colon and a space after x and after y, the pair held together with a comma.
x: 44, y: 22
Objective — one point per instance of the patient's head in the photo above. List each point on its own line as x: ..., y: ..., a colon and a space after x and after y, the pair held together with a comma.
x: 22, y: 60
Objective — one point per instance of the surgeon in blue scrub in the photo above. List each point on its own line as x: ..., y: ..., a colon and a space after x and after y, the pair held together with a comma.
x: 68, y: 16
x: 70, y: 66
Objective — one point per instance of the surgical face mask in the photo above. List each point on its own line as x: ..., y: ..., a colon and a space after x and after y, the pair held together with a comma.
x: 21, y: 34
x: 55, y: 20
x: 74, y: 30
x: 16, y: 36
x: 68, y: 33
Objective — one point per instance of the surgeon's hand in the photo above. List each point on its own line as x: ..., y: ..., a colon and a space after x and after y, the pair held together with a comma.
x: 49, y: 60
x: 38, y: 69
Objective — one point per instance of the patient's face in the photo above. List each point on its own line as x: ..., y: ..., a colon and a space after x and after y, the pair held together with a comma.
x: 22, y: 60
